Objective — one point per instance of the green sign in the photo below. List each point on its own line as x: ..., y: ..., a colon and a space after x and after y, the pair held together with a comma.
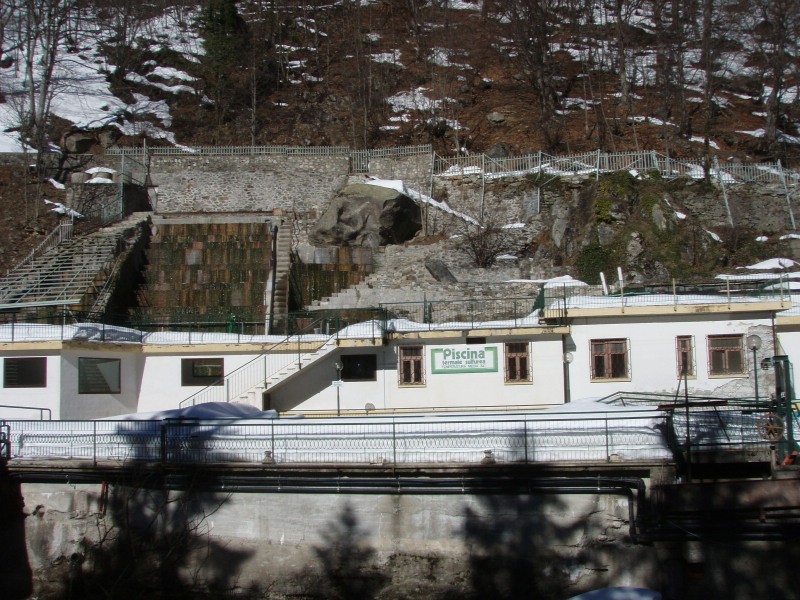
x: 464, y: 359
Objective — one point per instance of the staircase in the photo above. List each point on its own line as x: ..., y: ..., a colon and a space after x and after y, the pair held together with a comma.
x: 254, y: 396
x: 277, y: 302
x: 70, y: 274
x: 248, y: 383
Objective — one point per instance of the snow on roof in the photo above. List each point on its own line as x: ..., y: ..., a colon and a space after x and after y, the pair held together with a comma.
x: 564, y: 280
x: 647, y: 300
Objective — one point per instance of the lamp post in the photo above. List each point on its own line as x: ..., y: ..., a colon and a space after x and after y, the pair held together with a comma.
x: 338, y: 383
x: 754, y: 343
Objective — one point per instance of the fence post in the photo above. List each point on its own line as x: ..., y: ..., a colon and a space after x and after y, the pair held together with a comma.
x: 94, y: 443
x: 163, y: 444
x: 608, y: 448
x: 272, y: 440
x: 394, y: 442
x: 525, y: 438
x: 597, y: 166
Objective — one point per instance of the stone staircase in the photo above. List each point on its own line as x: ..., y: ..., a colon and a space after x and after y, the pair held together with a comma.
x: 72, y: 273
x: 400, y: 276
x: 278, y: 302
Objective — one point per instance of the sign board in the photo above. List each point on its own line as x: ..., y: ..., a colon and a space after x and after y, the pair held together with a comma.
x: 337, y: 383
x: 464, y: 359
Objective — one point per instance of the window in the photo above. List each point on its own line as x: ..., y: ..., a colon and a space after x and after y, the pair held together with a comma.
x: 609, y: 359
x: 725, y: 355
x: 98, y: 375
x: 685, y: 353
x: 517, y: 362
x: 25, y: 372
x: 359, y: 367
x: 202, y: 371
x: 411, y: 371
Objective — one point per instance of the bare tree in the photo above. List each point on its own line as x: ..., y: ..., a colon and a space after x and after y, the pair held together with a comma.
x: 774, y: 25
x: 483, y: 244
x: 531, y: 25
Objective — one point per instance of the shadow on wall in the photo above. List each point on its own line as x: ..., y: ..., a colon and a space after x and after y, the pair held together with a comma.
x: 517, y: 547
x: 151, y: 543
x: 16, y: 580
x: 528, y: 546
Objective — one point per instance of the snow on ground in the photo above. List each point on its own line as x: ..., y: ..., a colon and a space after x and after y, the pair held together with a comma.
x: 392, y: 58
x: 773, y: 263
x: 208, y: 410
x: 398, y: 185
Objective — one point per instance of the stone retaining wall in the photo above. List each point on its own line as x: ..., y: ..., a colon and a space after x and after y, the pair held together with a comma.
x: 246, y: 183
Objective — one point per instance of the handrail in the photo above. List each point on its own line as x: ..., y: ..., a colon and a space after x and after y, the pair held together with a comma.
x: 635, y: 434
x: 42, y: 410
x: 46, y: 244
x: 258, y: 369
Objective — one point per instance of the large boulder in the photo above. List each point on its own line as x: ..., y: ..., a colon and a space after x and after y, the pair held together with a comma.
x: 367, y: 215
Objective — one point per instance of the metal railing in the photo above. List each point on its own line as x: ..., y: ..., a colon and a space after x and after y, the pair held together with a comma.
x: 61, y: 233
x: 595, y: 163
x: 181, y: 327
x: 701, y: 424
x: 634, y: 435
x: 232, y: 151
x: 753, y: 289
x: 473, y: 314
x: 283, y: 358
x: 45, y: 414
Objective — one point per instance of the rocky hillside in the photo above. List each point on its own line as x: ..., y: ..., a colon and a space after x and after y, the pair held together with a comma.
x: 507, y: 76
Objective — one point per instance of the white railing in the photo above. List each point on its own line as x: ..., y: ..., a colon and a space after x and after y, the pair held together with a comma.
x: 279, y: 360
x: 595, y: 163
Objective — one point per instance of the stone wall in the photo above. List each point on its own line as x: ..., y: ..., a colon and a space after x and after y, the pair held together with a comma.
x: 257, y: 183
x: 280, y: 545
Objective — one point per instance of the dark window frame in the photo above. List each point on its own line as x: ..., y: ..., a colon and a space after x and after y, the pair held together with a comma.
x: 684, y: 354
x: 32, y: 375
x: 605, y: 365
x: 87, y: 365
x: 518, y: 362
x: 411, y: 365
x: 191, y: 375
x: 731, y: 358
x: 359, y: 367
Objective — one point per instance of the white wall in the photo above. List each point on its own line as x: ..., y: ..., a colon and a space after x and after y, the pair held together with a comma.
x: 44, y: 397
x: 161, y: 387
x: 93, y: 406
x: 652, y: 354
x: 312, y: 390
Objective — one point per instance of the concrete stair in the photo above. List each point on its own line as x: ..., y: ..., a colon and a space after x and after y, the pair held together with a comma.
x: 283, y: 264
x: 72, y: 273
x: 248, y: 383
x: 254, y: 396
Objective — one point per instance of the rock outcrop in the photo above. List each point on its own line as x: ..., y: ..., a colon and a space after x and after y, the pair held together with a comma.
x: 367, y: 215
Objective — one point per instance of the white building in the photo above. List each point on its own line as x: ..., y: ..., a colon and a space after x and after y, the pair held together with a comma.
x: 586, y: 346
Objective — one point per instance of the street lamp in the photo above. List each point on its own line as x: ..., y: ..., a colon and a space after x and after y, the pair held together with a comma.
x: 338, y: 383
x: 754, y: 343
